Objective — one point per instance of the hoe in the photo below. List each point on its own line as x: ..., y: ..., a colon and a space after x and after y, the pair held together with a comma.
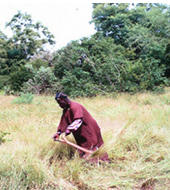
x: 64, y: 140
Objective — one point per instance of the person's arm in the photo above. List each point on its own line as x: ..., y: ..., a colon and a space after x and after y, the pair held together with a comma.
x: 74, y: 126
x: 61, y: 128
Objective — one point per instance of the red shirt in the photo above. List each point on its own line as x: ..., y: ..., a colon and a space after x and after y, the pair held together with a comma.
x: 88, y: 135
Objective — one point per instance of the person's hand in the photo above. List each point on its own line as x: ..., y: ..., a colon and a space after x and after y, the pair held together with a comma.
x: 56, y: 137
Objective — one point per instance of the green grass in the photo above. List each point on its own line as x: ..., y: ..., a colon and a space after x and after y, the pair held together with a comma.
x: 26, y: 98
x: 135, y: 128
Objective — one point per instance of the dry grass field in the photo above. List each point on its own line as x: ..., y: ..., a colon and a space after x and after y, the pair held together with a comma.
x: 139, y: 156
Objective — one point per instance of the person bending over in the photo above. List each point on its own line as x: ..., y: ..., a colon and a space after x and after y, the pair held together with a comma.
x: 78, y: 121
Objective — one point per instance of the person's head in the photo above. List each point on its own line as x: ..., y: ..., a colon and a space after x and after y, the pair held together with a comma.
x: 62, y: 99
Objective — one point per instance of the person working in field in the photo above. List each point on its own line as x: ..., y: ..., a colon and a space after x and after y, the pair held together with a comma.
x: 78, y: 121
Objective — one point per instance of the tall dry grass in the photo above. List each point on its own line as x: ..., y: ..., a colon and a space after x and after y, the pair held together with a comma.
x: 135, y: 129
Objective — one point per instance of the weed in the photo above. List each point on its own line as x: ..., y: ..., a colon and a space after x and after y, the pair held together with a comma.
x: 2, y: 136
x: 24, y: 99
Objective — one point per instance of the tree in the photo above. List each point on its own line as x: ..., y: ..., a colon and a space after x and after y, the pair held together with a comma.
x: 4, y: 69
x: 28, y: 37
x: 116, y: 20
x: 90, y: 66
x: 143, y: 28
x: 20, y: 75
x: 111, y: 19
x: 126, y: 54
x: 67, y: 58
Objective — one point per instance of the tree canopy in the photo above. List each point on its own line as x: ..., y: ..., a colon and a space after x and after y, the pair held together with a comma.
x: 29, y: 37
x: 130, y: 51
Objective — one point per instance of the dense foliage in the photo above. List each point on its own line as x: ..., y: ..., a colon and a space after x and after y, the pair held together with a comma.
x: 129, y: 52
x: 28, y: 38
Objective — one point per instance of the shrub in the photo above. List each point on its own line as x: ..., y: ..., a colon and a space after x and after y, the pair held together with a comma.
x: 78, y: 83
x: 19, y: 75
x: 44, y: 81
x: 3, y: 80
x: 24, y: 99
x: 37, y: 63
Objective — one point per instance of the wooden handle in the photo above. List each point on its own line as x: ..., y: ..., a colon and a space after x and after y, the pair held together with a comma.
x: 64, y: 140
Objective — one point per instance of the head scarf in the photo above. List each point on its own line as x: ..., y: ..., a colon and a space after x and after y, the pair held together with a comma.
x: 60, y: 96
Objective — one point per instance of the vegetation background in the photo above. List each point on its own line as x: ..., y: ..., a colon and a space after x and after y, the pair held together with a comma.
x: 130, y: 52
x: 120, y: 74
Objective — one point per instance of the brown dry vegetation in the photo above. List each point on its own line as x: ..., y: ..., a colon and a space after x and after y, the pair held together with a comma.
x: 139, y: 157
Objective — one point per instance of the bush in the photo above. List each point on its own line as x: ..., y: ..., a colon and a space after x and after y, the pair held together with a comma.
x: 38, y: 63
x: 3, y: 80
x: 20, y: 75
x: 44, y: 81
x: 143, y: 75
x: 24, y: 99
x: 78, y: 83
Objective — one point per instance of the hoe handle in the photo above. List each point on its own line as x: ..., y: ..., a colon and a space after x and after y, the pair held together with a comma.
x: 64, y: 140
